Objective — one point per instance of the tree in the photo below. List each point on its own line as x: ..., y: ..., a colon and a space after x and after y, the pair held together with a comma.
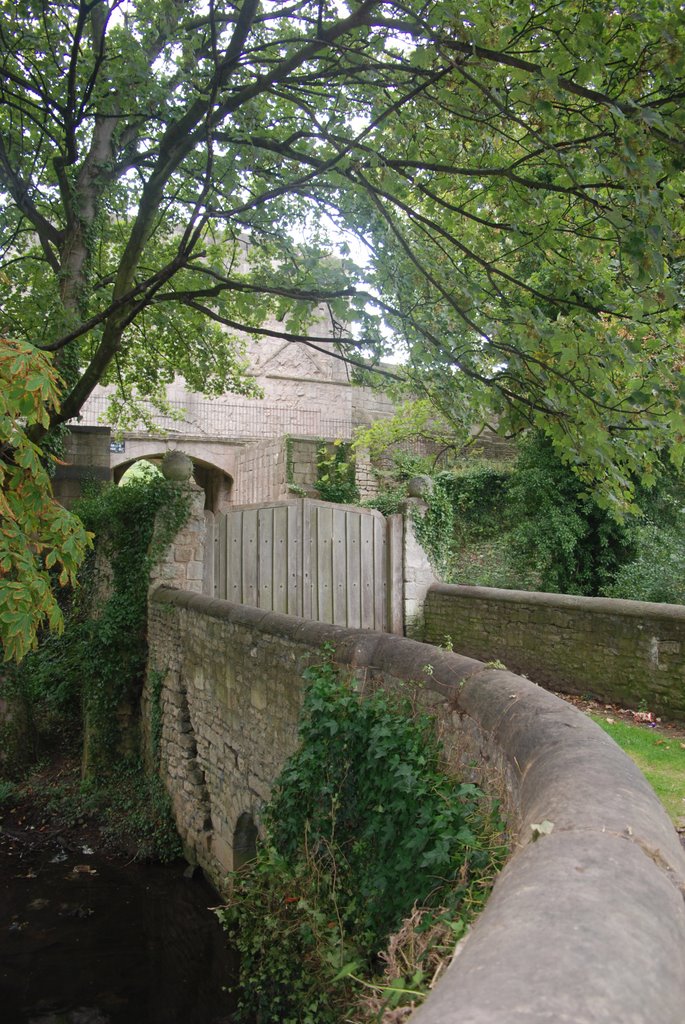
x: 37, y: 536
x: 514, y: 171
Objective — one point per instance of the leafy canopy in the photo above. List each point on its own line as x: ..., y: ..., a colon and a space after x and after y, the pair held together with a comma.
x: 513, y: 172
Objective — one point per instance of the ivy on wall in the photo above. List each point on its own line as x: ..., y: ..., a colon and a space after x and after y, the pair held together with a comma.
x: 335, y: 471
x: 86, y: 676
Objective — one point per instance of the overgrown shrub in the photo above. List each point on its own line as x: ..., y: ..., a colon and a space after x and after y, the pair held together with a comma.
x: 478, y: 495
x: 658, y: 571
x: 573, y: 545
x: 364, y: 824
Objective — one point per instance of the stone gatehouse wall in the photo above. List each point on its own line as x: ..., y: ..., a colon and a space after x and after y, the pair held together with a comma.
x: 620, y: 651
x: 586, y: 924
x: 276, y: 469
x: 85, y: 459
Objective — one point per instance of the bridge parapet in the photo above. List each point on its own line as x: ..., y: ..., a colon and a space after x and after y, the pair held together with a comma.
x: 586, y: 924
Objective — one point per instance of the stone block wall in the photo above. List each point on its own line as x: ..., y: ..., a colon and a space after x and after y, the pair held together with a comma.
x: 260, y: 473
x: 369, y: 405
x: 302, y: 458
x: 184, y: 563
x: 624, y: 652
x: 418, y: 573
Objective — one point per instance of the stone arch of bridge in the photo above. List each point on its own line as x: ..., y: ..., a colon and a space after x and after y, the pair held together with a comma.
x: 215, y: 480
x: 244, y: 841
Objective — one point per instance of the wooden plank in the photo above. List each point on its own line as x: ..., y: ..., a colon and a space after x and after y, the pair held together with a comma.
x: 324, y: 564
x: 354, y: 570
x: 265, y: 558
x: 395, y: 576
x: 208, y: 556
x: 379, y: 574
x: 279, y: 559
x: 219, y: 567
x: 339, y: 565
x: 367, y: 581
x: 232, y: 558
x: 295, y: 597
x: 309, y: 602
x: 250, y: 550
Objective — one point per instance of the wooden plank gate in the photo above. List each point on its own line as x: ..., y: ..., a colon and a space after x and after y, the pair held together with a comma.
x: 330, y: 563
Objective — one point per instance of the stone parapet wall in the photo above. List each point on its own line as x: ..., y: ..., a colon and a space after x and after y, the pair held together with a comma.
x: 302, y: 468
x: 624, y: 652
x: 586, y: 924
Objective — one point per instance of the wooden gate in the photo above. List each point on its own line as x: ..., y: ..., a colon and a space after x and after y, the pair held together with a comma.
x: 330, y: 563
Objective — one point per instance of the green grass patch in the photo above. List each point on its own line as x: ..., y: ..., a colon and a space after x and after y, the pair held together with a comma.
x: 660, y: 758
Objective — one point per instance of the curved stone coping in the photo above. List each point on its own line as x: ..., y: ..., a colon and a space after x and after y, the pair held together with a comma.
x: 605, y: 605
x: 586, y: 925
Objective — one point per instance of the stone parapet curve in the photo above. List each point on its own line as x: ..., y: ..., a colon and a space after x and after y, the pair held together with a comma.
x: 586, y: 924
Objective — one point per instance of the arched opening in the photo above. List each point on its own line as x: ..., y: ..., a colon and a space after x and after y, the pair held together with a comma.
x: 244, y: 841
x: 137, y: 467
x: 143, y: 469
x: 215, y: 482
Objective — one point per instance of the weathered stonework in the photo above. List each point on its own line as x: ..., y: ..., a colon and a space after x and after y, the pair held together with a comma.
x: 85, y: 459
x: 619, y: 651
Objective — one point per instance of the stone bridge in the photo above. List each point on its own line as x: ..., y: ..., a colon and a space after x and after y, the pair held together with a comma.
x: 584, y: 925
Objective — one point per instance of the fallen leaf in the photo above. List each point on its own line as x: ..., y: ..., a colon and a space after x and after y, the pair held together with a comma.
x: 542, y: 829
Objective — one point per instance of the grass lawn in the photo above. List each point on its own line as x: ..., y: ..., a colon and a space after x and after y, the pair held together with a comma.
x: 660, y: 758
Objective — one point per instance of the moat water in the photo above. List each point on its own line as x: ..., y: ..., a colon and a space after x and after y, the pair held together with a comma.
x: 88, y: 941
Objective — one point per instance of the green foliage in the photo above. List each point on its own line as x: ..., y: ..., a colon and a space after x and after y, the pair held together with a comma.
x: 532, y: 526
x: 131, y: 807
x: 336, y: 473
x: 100, y: 659
x: 477, y: 493
x: 8, y: 791
x: 363, y: 824
x: 434, y: 526
x: 416, y: 420
x: 657, y: 573
x: 137, y: 813
x: 41, y: 544
x: 112, y: 645
x: 572, y: 545
x: 389, y: 500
